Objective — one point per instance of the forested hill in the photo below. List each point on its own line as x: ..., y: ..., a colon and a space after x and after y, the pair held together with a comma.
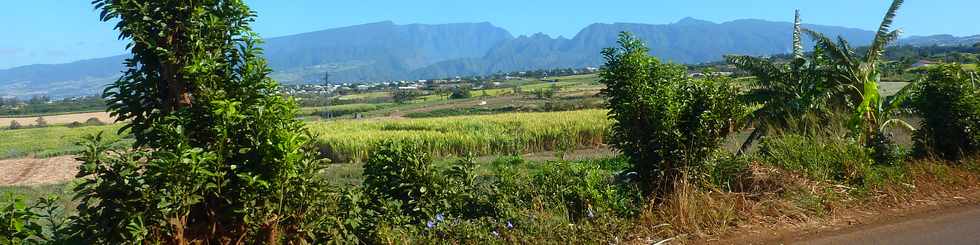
x: 388, y: 51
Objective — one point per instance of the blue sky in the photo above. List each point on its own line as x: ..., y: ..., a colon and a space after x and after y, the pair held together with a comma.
x: 58, y: 31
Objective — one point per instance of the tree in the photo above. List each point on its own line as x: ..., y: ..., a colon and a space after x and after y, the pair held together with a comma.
x: 791, y: 96
x: 40, y: 122
x: 405, y: 95
x: 219, y: 156
x: 461, y: 92
x: 664, y: 121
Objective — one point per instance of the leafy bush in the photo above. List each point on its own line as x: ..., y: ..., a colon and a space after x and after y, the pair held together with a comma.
x: 949, y: 102
x: 23, y: 223
x: 402, y: 173
x: 667, y: 123
x: 18, y: 222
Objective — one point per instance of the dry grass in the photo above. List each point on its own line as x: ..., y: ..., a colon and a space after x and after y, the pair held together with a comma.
x: 774, y: 205
x: 57, y: 119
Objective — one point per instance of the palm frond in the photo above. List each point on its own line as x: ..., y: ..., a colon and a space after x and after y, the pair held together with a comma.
x: 834, y: 52
x: 882, y: 37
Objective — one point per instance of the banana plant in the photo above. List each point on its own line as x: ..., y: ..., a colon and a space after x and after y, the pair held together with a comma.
x: 856, y: 79
x: 787, y: 96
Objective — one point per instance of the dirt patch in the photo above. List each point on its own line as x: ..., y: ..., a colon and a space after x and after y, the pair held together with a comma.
x: 58, y: 119
x: 33, y: 171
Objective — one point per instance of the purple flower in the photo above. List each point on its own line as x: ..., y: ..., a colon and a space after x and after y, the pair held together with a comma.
x: 439, y: 217
x: 591, y: 215
x: 510, y: 225
x: 430, y: 224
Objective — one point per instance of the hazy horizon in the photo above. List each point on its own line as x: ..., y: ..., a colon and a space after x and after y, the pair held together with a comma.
x: 53, y: 32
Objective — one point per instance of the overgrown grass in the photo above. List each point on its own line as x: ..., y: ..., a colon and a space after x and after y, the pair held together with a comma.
x: 511, y: 133
x: 51, y: 141
x: 832, y: 160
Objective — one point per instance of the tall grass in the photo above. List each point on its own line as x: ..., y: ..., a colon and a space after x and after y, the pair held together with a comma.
x: 511, y: 133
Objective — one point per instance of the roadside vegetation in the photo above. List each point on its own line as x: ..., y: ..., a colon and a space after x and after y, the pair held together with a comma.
x: 224, y: 159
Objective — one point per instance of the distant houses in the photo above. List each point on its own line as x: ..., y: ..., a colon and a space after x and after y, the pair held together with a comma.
x: 707, y: 74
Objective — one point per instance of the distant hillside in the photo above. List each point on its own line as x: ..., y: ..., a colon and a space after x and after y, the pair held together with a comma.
x: 377, y: 51
x: 386, y: 51
x: 941, y: 40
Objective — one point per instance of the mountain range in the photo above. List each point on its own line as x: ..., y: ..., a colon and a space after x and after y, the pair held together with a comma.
x: 388, y: 51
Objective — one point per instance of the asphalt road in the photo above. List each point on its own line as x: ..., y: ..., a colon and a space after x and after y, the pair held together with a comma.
x: 948, y: 227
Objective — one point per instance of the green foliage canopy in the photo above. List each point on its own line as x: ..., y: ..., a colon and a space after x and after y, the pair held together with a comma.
x: 666, y: 122
x: 219, y: 156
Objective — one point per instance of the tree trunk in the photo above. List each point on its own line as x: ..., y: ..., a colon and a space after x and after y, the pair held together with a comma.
x: 178, y: 92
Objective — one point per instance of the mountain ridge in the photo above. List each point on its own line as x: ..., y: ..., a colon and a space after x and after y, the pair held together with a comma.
x: 388, y: 51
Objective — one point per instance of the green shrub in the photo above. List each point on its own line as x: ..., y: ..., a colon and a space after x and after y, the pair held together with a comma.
x: 667, y: 123
x: 949, y: 102
x: 401, y: 173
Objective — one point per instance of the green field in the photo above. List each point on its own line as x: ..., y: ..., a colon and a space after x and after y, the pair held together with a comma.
x: 50, y: 141
x: 501, y: 134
